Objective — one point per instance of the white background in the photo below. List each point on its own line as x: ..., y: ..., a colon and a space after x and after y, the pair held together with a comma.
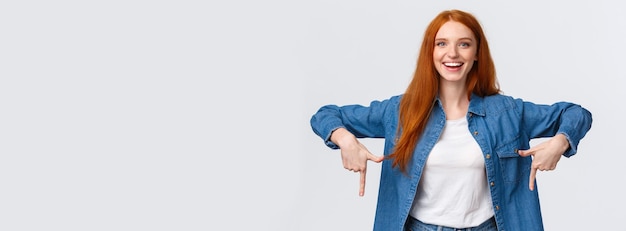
x: 194, y: 115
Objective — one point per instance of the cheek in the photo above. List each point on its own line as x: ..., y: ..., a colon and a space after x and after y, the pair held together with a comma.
x: 469, y: 65
x: 469, y: 56
x: 472, y: 55
x: 437, y: 55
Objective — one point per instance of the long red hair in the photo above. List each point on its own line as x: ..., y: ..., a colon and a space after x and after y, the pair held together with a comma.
x: 419, y: 98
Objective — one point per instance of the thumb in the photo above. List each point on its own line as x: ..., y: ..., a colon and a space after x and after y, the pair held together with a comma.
x: 526, y: 153
x: 375, y: 158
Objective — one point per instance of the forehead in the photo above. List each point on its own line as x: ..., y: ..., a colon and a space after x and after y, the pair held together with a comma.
x: 454, y: 30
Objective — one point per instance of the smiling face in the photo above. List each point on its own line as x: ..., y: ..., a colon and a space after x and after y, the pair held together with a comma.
x: 455, y: 51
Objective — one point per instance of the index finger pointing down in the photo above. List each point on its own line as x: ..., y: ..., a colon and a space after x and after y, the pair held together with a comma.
x: 362, y: 184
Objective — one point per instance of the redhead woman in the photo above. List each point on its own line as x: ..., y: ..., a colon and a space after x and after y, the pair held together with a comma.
x: 457, y: 151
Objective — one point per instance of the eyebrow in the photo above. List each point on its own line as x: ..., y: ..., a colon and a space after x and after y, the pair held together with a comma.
x: 464, y: 38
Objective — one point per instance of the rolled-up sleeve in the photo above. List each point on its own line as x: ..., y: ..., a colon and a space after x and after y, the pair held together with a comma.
x: 362, y: 121
x: 569, y: 119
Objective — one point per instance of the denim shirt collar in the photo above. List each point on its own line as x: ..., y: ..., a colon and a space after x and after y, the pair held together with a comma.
x: 475, y: 106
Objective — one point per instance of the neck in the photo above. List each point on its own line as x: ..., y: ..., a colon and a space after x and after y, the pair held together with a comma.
x: 454, y: 101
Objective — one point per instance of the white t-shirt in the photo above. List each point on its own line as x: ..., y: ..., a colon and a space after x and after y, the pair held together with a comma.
x: 453, y: 189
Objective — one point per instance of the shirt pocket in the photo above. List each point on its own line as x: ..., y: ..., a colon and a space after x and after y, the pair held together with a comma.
x: 512, y: 165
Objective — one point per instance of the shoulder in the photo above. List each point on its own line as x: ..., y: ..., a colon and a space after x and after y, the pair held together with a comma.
x: 390, y: 102
x: 500, y: 102
x: 499, y: 98
x: 395, y: 99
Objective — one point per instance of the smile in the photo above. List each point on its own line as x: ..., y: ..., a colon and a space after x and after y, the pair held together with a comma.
x: 453, y: 64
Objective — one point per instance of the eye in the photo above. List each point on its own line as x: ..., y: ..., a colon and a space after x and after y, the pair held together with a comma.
x: 440, y: 44
x: 463, y: 44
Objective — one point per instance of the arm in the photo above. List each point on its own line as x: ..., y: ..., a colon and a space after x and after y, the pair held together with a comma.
x: 361, y: 121
x: 570, y: 123
x: 340, y: 128
x: 568, y: 119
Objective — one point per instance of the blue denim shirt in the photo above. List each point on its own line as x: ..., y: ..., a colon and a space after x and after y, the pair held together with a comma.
x: 500, y: 124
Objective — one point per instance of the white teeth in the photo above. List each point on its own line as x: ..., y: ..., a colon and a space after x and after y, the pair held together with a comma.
x: 453, y: 64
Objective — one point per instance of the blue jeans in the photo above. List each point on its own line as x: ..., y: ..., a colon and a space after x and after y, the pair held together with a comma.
x: 413, y: 224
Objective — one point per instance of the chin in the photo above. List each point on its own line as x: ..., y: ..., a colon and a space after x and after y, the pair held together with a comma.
x: 454, y: 78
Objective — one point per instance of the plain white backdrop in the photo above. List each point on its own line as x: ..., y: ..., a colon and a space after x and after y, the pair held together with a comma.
x: 194, y: 115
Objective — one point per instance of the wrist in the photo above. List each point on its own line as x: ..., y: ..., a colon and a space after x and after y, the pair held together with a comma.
x: 341, y: 137
x: 564, y: 141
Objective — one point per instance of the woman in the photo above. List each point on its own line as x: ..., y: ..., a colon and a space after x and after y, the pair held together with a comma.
x: 457, y: 152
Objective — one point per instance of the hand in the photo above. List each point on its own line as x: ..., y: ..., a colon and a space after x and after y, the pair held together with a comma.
x: 545, y: 156
x: 354, y: 155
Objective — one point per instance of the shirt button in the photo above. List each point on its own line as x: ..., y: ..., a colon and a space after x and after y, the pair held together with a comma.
x: 497, y: 207
x: 475, y: 132
x: 492, y: 184
x: 515, y: 150
x: 487, y: 156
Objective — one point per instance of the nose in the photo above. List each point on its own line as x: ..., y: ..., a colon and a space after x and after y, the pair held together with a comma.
x: 452, y: 52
